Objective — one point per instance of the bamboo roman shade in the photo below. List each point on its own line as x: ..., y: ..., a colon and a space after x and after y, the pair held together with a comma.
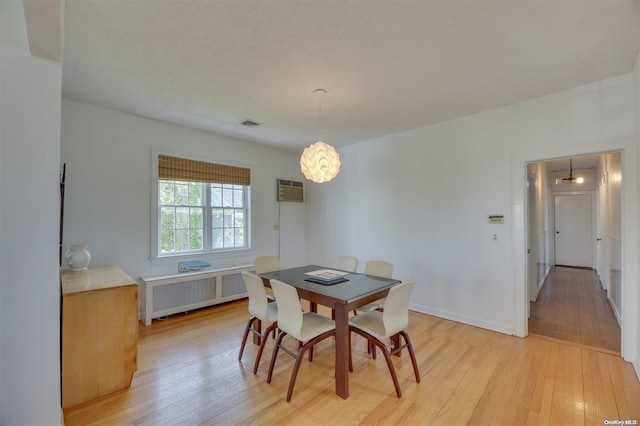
x: 175, y: 168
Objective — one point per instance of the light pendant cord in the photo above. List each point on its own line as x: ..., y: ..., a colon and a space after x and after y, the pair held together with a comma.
x: 319, y: 93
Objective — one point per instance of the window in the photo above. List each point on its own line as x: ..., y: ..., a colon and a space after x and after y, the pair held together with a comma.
x: 181, y: 216
x: 227, y: 216
x: 202, y: 207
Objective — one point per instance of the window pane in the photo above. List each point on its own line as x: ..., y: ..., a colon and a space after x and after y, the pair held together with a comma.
x: 168, y: 241
x: 182, y: 240
x: 227, y: 197
x: 239, y: 237
x: 228, y: 218
x: 167, y: 218
x: 228, y: 237
x: 195, y: 194
x: 216, y: 196
x: 166, y: 192
x: 217, y: 238
x: 195, y: 239
x: 195, y: 221
x: 216, y: 218
x: 238, y: 198
x: 182, y: 194
x: 182, y: 217
x: 239, y: 218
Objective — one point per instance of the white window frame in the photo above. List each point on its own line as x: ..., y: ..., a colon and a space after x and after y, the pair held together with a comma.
x: 206, y: 253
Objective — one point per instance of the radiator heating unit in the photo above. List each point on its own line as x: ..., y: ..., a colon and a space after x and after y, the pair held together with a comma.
x: 171, y: 294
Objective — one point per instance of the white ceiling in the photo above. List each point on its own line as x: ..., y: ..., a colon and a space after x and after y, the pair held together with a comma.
x: 387, y: 66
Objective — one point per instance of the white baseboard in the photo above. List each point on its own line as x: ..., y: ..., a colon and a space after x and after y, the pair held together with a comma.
x: 615, y: 310
x: 543, y: 281
x: 464, y: 319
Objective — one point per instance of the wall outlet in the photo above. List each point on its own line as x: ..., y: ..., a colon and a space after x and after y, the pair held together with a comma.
x: 495, y: 237
x: 276, y: 226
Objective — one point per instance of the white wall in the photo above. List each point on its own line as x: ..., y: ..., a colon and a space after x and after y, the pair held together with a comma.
x: 29, y: 202
x: 636, y: 76
x: 420, y: 199
x: 108, y: 187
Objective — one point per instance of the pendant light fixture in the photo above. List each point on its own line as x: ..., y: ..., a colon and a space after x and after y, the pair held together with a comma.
x: 571, y: 178
x: 320, y: 162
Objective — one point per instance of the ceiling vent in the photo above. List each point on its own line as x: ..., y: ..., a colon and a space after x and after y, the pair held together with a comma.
x: 250, y: 123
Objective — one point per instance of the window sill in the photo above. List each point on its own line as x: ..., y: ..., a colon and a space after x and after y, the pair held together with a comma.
x: 231, y: 257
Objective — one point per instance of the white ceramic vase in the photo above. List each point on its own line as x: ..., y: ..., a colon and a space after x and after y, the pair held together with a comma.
x: 78, y: 257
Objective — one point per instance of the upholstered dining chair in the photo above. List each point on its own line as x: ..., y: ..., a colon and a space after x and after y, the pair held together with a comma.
x: 377, y: 326
x: 266, y: 264
x: 260, y: 309
x: 308, y: 328
x: 377, y: 268
x: 346, y: 263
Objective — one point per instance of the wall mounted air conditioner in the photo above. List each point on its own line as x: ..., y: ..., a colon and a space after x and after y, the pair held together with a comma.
x: 289, y: 190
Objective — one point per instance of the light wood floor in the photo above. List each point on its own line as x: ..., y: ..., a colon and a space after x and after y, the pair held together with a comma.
x: 573, y: 306
x: 189, y: 374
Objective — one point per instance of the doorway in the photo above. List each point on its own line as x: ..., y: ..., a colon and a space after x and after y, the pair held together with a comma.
x: 574, y: 242
x: 625, y: 268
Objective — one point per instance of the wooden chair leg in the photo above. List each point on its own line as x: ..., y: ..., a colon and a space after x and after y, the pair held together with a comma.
x: 244, y: 337
x: 392, y: 369
x: 411, y: 354
x: 301, y: 350
x: 275, y: 354
x: 263, y: 342
x: 294, y: 373
x: 387, y: 356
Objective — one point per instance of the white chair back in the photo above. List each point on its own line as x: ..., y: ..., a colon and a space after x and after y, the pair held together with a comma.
x: 378, y: 268
x: 346, y: 263
x: 258, y: 304
x: 266, y: 264
x: 395, y: 316
x: 290, y: 315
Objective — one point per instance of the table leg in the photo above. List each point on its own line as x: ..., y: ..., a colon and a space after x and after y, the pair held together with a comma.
x: 313, y: 307
x: 395, y: 342
x: 342, y: 351
x: 257, y: 326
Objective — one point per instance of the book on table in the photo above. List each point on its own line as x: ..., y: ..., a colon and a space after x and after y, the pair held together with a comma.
x: 327, y: 276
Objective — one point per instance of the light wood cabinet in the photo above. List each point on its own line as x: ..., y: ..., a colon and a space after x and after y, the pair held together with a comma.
x: 99, y: 333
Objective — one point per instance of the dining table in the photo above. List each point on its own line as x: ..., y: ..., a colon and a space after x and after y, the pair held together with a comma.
x: 342, y: 297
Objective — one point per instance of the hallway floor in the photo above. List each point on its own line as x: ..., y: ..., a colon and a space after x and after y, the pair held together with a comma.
x: 572, y: 306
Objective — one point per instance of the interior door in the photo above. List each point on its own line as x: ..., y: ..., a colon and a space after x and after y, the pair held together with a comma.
x: 574, y: 230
